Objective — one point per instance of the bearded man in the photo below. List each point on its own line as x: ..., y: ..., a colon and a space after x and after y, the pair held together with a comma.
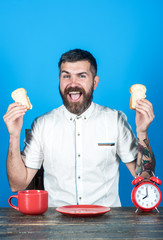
x: 80, y: 144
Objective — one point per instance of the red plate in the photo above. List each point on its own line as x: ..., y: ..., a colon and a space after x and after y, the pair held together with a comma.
x: 83, y: 210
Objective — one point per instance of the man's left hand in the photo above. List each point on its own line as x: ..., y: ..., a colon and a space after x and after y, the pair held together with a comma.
x: 144, y: 116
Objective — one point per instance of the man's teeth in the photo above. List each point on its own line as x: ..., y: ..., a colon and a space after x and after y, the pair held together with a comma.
x: 74, y: 92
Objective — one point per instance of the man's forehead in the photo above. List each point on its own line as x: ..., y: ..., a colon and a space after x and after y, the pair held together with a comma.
x: 75, y: 67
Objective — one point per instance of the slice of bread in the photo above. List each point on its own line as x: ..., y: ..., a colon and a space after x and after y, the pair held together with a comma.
x: 137, y: 92
x: 20, y: 95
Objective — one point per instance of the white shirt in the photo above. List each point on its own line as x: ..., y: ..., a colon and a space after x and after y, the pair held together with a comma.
x: 81, y: 154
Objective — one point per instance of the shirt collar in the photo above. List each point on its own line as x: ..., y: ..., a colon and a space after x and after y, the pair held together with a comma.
x: 85, y: 115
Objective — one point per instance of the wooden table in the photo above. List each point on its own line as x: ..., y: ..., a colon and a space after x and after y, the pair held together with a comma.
x: 119, y: 223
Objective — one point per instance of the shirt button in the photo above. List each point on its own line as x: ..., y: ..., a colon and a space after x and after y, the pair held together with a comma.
x: 78, y: 155
x: 80, y: 198
x: 78, y: 177
x: 71, y: 119
x: 85, y: 118
x: 78, y: 134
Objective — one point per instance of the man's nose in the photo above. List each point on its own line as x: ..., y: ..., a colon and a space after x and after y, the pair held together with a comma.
x: 74, y: 80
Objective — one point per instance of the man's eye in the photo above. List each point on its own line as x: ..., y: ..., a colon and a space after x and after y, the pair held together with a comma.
x: 66, y: 76
x: 82, y: 76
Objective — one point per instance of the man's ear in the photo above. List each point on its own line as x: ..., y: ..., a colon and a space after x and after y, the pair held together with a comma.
x: 96, y: 81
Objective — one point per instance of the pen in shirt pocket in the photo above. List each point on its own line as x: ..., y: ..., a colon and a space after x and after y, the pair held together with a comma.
x: 106, y: 144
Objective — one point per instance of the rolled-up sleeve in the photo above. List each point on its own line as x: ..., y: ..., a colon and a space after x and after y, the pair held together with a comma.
x: 126, y: 142
x: 32, y: 154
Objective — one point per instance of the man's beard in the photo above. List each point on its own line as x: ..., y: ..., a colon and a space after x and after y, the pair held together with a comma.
x: 77, y: 107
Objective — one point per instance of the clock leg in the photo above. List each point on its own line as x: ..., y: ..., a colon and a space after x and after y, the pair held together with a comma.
x: 157, y: 210
x: 137, y: 210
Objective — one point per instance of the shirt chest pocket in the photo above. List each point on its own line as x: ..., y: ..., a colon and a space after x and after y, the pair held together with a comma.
x: 106, y: 150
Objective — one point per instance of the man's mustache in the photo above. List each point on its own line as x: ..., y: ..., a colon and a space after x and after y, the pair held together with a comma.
x: 74, y: 89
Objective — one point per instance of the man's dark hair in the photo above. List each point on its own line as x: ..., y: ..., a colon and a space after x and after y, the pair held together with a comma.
x: 79, y: 55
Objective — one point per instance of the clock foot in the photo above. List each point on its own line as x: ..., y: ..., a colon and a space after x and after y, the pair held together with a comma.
x: 137, y: 210
x: 157, y: 210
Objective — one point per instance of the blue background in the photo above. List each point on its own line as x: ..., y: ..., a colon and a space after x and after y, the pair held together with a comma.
x: 124, y: 36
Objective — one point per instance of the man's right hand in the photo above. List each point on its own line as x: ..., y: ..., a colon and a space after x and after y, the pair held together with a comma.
x: 14, y: 118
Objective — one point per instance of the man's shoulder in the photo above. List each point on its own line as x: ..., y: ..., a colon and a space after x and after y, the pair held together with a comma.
x: 105, y: 109
x: 48, y: 116
x: 110, y: 112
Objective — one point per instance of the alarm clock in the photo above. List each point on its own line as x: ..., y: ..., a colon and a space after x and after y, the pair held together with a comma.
x: 146, y: 195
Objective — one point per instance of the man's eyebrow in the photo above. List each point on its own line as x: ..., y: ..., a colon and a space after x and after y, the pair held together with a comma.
x: 82, y: 73
x: 64, y: 71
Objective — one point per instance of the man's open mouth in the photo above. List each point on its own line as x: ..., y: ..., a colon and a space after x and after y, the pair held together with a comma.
x: 74, y: 95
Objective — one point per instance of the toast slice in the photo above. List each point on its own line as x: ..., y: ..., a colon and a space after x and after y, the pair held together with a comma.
x: 20, y: 95
x: 137, y: 92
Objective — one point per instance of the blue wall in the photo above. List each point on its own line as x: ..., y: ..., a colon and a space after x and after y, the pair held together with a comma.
x: 125, y: 37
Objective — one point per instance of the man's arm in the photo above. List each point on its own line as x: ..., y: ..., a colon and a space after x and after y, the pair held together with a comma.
x: 144, y: 165
x: 19, y: 176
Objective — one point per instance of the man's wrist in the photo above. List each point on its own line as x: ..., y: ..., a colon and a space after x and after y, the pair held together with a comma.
x: 14, y: 137
x: 141, y: 135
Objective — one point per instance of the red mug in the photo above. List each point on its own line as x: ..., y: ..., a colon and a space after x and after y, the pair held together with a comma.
x: 32, y: 202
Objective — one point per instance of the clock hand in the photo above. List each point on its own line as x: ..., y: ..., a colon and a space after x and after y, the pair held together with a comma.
x: 146, y: 193
x: 145, y: 197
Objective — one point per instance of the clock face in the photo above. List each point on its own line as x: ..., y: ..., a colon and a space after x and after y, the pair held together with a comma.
x: 147, y: 195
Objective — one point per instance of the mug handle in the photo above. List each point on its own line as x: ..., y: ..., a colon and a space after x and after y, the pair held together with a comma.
x: 10, y: 203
